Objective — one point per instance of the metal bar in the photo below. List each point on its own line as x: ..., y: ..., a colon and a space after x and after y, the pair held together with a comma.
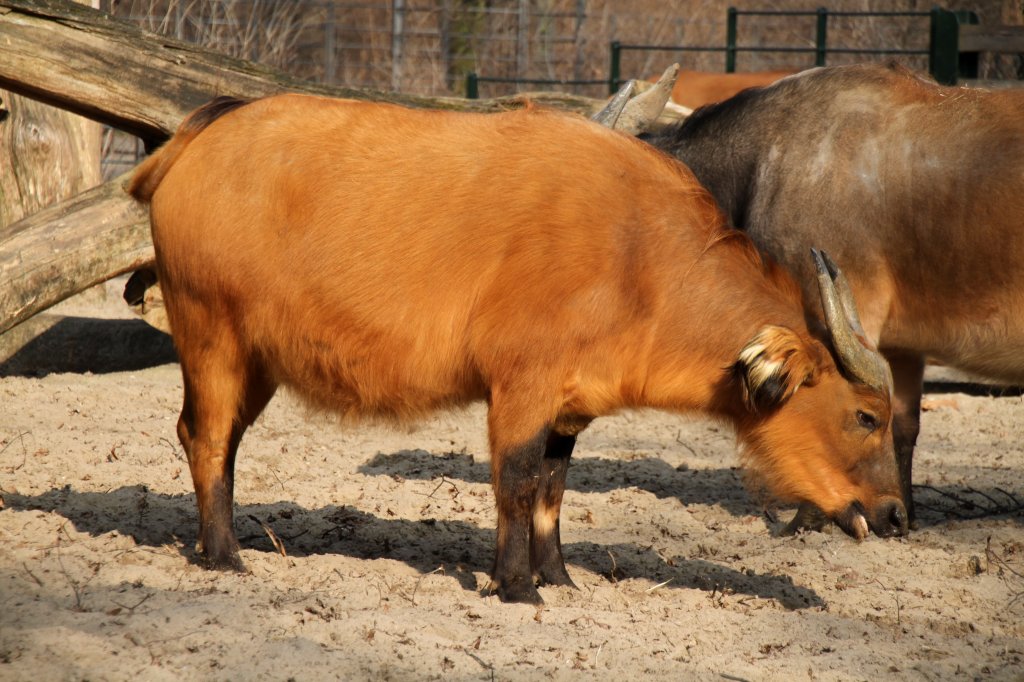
x: 873, y: 50
x: 835, y: 13
x: 533, y: 81
x: 615, y: 71
x: 770, y: 48
x: 811, y: 13
x: 944, y: 55
x: 730, y: 40
x: 775, y: 13
x: 833, y: 50
x: 673, y: 48
x: 821, y: 37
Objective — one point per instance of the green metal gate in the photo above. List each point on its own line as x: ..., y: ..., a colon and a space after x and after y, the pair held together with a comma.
x: 945, y: 62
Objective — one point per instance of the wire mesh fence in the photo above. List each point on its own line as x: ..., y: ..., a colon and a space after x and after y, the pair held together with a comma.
x: 429, y: 46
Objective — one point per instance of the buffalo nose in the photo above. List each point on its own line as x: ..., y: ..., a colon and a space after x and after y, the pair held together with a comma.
x: 894, y: 519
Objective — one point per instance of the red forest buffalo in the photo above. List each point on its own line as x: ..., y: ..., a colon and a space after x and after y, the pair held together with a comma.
x: 410, y: 260
x: 917, y: 190
x: 694, y: 89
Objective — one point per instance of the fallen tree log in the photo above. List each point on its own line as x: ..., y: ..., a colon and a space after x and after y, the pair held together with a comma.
x: 87, y: 62
x: 84, y: 61
x: 70, y: 247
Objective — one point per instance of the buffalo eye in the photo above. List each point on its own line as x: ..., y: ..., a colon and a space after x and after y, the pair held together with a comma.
x: 867, y: 420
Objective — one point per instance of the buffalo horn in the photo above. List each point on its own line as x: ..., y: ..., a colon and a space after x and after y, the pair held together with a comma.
x: 635, y: 115
x: 609, y: 116
x: 861, y: 363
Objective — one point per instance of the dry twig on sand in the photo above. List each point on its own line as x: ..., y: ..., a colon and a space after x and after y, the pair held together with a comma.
x: 1005, y: 568
x: 24, y: 451
x: 966, y: 508
x: 78, y: 587
x: 278, y: 545
x: 439, y: 569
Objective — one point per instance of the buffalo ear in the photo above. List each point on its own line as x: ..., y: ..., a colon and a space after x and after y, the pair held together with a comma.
x: 772, y: 366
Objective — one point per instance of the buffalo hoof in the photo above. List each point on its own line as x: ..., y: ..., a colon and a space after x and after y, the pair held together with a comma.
x: 517, y: 591
x: 557, y: 577
x: 225, y: 561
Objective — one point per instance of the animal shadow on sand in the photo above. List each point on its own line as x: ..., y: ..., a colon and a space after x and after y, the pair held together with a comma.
x: 722, y: 487
x: 85, y: 344
x: 457, y: 547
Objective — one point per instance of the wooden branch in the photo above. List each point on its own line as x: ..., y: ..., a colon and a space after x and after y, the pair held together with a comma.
x: 983, y: 38
x: 69, y: 247
x: 87, y: 62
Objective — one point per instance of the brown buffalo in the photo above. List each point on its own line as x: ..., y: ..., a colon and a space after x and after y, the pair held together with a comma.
x: 409, y: 260
x: 916, y: 189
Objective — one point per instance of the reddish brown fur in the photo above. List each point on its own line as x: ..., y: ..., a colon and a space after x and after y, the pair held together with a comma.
x: 694, y: 89
x: 386, y: 262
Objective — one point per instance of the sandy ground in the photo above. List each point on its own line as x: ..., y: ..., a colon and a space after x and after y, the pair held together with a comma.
x: 385, y: 539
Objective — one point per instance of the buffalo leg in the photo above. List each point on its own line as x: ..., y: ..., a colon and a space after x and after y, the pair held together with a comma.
x: 545, y: 541
x: 908, y: 384
x: 224, y: 394
x: 517, y: 452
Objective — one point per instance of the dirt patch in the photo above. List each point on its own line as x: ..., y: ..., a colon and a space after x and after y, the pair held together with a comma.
x: 368, y: 548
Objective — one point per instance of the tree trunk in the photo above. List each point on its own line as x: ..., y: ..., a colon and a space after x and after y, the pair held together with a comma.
x: 69, y: 247
x: 45, y: 155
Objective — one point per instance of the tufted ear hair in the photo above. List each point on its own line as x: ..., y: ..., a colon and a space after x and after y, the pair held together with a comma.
x: 773, y: 365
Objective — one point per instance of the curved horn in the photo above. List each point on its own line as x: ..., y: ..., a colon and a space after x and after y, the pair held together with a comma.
x: 611, y: 112
x: 637, y: 115
x: 844, y: 291
x: 862, y: 363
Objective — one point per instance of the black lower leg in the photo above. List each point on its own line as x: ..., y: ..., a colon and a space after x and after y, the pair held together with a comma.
x: 217, y: 539
x: 545, y: 538
x: 908, y: 377
x: 516, y: 474
x: 217, y: 532
x: 905, y: 460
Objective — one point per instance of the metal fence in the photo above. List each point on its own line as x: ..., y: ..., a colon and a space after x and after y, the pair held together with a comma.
x: 937, y: 26
x: 421, y: 46
x: 429, y: 46
x: 944, y: 60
